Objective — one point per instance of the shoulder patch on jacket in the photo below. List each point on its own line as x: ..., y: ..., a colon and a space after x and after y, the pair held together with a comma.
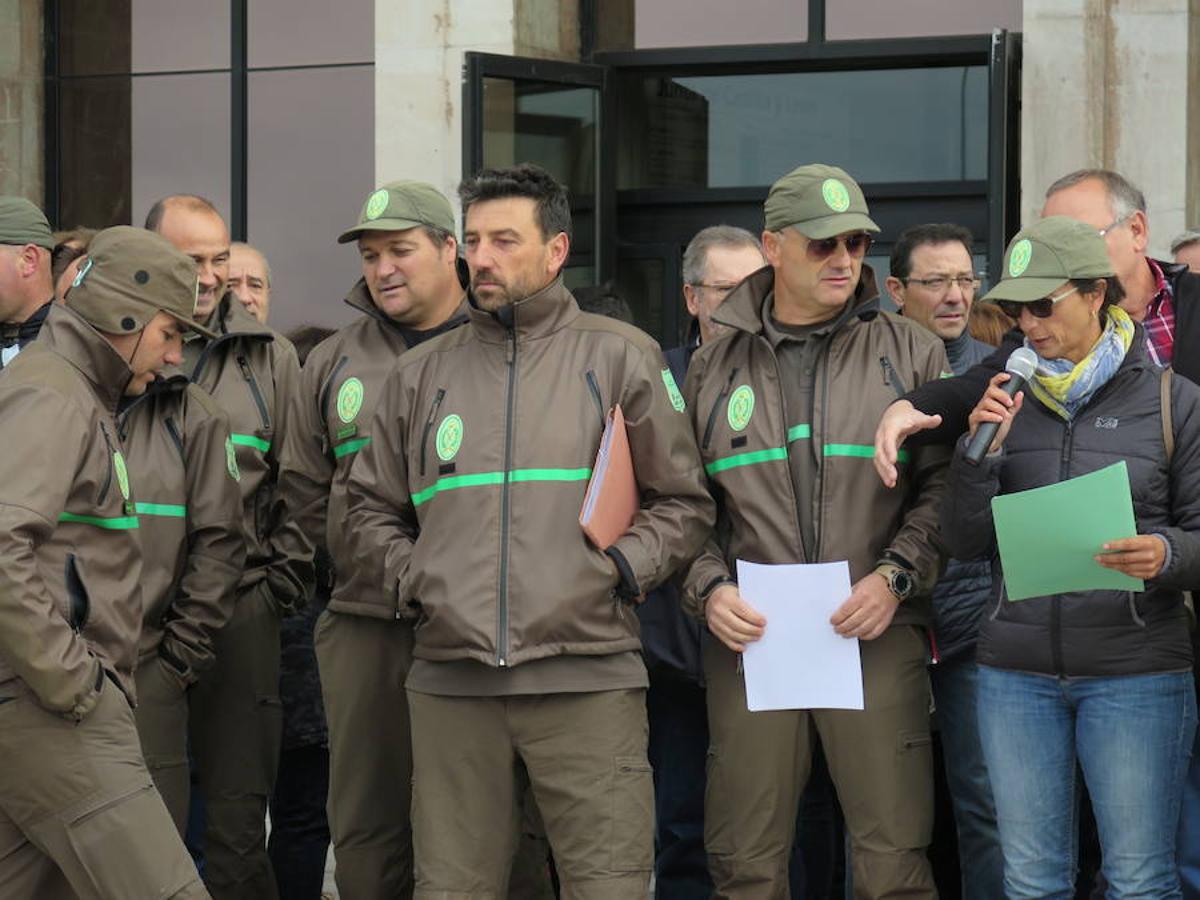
x: 673, y: 393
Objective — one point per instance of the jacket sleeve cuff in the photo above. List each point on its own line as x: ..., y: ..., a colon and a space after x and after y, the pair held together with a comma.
x: 627, y: 585
x: 1170, y: 554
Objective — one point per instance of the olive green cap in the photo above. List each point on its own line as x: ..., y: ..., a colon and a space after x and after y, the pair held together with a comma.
x: 23, y: 223
x: 400, y: 205
x: 128, y: 275
x: 820, y: 201
x: 1048, y: 253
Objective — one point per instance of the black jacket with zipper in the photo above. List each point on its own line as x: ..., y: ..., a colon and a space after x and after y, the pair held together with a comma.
x: 1099, y: 632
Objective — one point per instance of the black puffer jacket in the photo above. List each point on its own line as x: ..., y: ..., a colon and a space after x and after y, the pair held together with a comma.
x: 1094, y: 633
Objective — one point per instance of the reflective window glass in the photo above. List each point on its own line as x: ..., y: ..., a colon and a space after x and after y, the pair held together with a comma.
x: 180, y: 139
x: 893, y: 125
x: 310, y: 32
x: 179, y: 35
x: 553, y: 126
x: 308, y: 177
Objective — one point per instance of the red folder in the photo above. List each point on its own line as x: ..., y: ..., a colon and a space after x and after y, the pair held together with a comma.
x: 612, y: 498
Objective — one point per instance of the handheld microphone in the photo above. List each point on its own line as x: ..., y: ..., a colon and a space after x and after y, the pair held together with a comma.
x: 1021, y: 365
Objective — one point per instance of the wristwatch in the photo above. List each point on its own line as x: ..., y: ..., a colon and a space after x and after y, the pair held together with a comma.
x: 899, y: 580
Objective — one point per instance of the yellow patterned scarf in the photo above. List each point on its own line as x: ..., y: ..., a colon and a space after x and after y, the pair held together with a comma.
x: 1064, y: 386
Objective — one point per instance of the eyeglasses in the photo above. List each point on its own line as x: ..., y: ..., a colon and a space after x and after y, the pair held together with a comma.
x: 940, y: 284
x: 856, y: 244
x: 1113, y: 224
x: 721, y: 289
x: 1040, y: 309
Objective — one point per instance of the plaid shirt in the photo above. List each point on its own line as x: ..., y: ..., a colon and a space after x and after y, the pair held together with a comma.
x: 1160, y: 319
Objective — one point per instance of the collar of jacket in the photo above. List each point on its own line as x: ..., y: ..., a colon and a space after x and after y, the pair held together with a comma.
x: 743, y: 309
x: 538, y: 315
x: 1172, y: 271
x: 231, y: 317
x: 24, y: 332
x: 71, y: 337
x: 359, y: 299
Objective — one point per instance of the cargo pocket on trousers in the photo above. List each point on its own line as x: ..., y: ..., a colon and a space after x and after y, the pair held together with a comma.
x: 129, y: 847
x: 632, y: 815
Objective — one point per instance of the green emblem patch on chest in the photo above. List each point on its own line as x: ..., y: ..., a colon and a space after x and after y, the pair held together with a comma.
x: 231, y: 464
x: 349, y: 399
x: 449, y: 438
x: 122, y: 473
x: 741, y: 407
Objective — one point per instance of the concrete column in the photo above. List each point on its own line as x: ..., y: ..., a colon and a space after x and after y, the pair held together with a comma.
x: 1114, y: 84
x: 419, y: 47
x: 21, y: 109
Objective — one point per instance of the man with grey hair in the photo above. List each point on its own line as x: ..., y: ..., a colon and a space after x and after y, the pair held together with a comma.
x: 715, y: 260
x: 1186, y: 249
x: 250, y: 279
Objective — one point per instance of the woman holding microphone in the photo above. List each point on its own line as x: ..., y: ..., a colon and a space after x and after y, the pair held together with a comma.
x: 1101, y: 678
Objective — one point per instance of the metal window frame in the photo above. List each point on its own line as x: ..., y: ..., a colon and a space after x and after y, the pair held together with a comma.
x: 478, y: 66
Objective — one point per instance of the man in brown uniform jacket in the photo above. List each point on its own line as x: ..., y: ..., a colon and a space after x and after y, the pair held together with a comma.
x: 194, y: 548
x: 409, y: 292
x: 79, y: 815
x: 526, y: 665
x: 784, y: 409
x: 236, y: 718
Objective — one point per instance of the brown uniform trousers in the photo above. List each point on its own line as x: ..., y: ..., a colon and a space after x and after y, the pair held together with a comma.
x: 364, y: 662
x: 162, y: 724
x: 584, y: 755
x: 880, y: 759
x: 236, y: 739
x: 79, y: 815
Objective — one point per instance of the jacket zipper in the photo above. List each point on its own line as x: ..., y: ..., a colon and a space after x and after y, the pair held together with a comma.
x: 323, y: 405
x: 1056, y: 651
x: 437, y: 401
x: 823, y: 368
x: 712, y: 416
x: 254, y: 391
x: 890, y: 377
x: 594, y: 387
x: 502, y: 636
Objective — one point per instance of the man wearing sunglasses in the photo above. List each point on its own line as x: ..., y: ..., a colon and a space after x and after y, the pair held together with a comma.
x: 782, y: 410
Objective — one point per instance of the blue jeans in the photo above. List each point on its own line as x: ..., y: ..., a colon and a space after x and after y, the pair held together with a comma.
x: 981, y: 859
x: 1189, y: 830
x: 1132, y: 737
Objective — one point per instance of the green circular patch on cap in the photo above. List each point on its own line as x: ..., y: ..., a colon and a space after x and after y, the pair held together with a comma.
x: 231, y: 465
x: 449, y: 438
x: 349, y: 399
x: 122, y: 473
x: 1018, y: 259
x: 835, y: 194
x: 377, y: 204
x: 741, y: 407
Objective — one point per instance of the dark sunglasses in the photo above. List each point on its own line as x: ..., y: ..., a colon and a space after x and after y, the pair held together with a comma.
x: 1040, y: 309
x: 856, y: 244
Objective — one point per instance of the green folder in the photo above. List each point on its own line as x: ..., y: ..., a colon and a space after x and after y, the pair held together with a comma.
x: 1048, y: 536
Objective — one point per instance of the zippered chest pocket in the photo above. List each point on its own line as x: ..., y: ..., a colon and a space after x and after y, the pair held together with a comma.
x: 257, y: 396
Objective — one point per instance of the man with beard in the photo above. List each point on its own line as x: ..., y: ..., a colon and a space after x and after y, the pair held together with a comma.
x: 526, y: 667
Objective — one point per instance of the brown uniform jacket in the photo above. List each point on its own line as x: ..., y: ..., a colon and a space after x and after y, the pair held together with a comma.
x: 466, y: 501
x: 870, y: 359
x: 190, y: 508
x: 340, y: 384
x: 251, y: 372
x: 70, y: 562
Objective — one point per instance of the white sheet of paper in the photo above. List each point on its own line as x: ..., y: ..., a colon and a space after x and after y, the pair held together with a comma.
x: 800, y: 662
